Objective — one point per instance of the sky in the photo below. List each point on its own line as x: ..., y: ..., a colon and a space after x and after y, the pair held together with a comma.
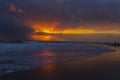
x: 60, y: 16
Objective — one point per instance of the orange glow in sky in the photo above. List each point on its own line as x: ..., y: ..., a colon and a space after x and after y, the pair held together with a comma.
x: 42, y: 38
x: 78, y: 31
x: 52, y: 29
x: 47, y: 32
x: 46, y: 38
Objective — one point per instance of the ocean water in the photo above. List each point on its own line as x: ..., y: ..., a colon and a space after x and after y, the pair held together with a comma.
x: 53, y: 53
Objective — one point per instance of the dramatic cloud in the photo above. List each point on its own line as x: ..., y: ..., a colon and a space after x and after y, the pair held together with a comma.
x: 11, y: 29
x: 70, y: 14
x: 14, y: 8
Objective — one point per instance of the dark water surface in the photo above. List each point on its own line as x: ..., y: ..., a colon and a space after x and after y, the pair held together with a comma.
x: 68, y: 61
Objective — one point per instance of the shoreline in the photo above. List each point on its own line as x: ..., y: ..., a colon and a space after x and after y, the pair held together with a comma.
x: 80, y: 69
x: 85, y: 69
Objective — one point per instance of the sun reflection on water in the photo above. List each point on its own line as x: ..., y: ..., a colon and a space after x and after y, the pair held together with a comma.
x: 48, y: 60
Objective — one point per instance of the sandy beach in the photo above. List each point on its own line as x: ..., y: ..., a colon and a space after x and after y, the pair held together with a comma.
x: 98, y: 66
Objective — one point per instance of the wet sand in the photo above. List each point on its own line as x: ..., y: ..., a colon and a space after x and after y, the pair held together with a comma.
x: 102, y: 67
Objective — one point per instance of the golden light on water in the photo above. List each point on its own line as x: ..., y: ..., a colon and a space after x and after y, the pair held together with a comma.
x: 49, y: 62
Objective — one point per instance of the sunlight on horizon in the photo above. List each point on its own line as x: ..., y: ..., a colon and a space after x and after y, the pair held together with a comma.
x: 46, y: 38
x: 53, y: 30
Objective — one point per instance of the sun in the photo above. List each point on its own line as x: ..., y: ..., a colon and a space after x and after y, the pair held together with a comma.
x: 47, y: 31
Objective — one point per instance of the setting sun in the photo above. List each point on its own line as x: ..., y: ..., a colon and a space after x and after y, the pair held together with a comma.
x: 54, y: 30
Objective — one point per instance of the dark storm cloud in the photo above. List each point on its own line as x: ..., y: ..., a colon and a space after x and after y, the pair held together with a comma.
x: 10, y: 25
x: 71, y: 13
x: 11, y: 29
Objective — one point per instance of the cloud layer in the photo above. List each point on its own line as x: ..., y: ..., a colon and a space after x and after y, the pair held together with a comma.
x: 13, y: 30
x: 14, y: 8
x: 70, y: 14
